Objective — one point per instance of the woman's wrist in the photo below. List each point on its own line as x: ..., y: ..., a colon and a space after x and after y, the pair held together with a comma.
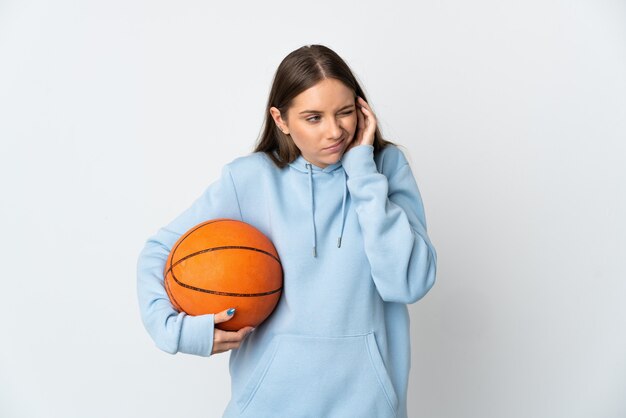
x: 359, y: 160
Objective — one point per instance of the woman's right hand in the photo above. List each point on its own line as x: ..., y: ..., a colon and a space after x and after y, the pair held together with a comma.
x: 227, y: 340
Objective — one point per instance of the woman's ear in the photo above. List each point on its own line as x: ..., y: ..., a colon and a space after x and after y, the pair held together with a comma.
x: 279, y: 120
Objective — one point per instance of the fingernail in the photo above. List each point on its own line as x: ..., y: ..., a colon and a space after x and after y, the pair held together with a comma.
x: 230, y: 311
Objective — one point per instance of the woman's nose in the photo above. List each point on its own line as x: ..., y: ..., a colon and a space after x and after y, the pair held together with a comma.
x: 334, y: 129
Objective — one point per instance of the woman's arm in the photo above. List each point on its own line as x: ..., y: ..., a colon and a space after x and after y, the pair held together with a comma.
x: 391, y: 215
x: 173, y: 331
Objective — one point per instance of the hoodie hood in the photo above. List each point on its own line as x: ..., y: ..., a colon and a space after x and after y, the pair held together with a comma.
x: 301, y: 165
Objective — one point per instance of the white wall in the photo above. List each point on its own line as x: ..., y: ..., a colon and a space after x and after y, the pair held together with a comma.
x: 115, y: 115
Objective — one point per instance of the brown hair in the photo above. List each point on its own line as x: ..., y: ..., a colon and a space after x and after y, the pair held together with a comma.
x: 300, y: 70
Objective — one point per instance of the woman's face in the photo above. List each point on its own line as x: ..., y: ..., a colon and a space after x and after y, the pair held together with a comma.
x: 321, y: 121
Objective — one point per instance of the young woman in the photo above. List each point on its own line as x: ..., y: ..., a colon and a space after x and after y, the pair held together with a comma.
x: 343, y: 210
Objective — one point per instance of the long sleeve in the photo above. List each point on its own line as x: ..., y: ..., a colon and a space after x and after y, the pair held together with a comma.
x: 391, y: 215
x: 173, y: 331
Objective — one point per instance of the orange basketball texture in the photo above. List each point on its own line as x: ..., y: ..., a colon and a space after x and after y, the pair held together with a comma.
x: 221, y: 264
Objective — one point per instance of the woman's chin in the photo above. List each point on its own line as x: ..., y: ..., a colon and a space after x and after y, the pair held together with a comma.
x: 331, y: 161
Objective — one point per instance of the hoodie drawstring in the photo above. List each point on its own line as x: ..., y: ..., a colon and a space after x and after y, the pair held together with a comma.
x: 312, y: 201
x: 343, y: 208
x: 312, y: 208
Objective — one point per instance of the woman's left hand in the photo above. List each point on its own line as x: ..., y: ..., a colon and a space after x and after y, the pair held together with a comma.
x: 365, y: 126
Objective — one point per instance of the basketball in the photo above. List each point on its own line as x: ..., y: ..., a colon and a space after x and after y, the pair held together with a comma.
x: 221, y: 264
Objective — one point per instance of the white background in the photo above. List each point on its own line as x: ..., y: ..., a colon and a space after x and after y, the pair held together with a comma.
x: 115, y: 115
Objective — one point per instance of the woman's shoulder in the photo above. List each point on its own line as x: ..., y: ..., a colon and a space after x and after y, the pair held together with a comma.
x: 255, y: 164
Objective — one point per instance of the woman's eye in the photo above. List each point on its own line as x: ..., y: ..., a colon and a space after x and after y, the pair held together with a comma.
x: 316, y: 117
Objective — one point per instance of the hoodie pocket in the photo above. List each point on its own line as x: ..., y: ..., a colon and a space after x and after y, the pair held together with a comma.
x: 311, y: 376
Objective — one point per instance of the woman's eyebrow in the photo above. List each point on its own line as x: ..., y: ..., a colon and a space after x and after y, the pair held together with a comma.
x: 319, y: 111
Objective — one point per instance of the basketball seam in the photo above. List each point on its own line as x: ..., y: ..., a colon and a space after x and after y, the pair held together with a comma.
x: 225, y: 247
x: 171, y: 295
x: 216, y: 292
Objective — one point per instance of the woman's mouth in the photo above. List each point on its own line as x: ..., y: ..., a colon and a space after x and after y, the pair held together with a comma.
x: 336, y: 147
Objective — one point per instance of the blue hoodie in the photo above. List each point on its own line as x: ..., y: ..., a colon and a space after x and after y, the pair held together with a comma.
x: 354, y: 250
